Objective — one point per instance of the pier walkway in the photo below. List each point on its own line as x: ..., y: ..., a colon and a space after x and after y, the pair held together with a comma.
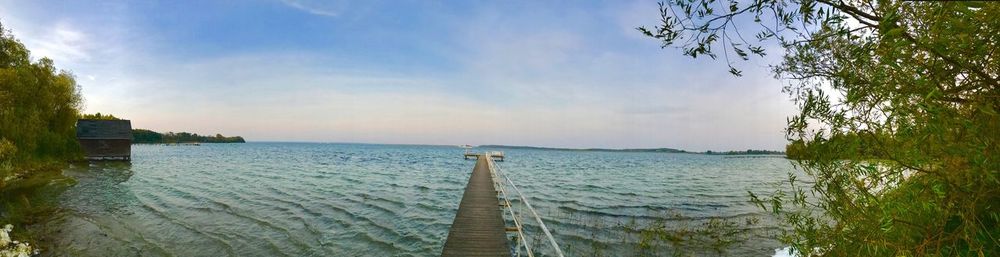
x: 487, y: 215
x: 478, y: 229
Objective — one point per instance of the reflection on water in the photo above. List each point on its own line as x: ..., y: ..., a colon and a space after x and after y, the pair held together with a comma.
x: 290, y: 199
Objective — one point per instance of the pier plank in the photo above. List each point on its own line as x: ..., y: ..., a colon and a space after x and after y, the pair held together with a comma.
x: 478, y: 229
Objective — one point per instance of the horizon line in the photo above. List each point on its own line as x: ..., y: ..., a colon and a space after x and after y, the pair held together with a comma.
x: 502, y: 145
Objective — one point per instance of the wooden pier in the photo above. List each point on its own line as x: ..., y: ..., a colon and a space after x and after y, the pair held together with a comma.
x: 480, y: 226
x: 478, y: 229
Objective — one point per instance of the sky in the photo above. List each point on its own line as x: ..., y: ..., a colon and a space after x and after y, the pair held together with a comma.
x: 540, y: 73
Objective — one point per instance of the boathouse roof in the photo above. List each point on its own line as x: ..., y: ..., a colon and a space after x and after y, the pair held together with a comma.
x: 103, y: 129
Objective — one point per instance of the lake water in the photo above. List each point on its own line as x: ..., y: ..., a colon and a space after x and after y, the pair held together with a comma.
x: 312, y: 199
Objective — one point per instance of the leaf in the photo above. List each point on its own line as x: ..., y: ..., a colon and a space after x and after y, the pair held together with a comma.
x: 885, y: 223
x: 742, y: 54
x: 987, y: 109
x: 756, y: 200
x: 735, y: 72
x: 939, y: 191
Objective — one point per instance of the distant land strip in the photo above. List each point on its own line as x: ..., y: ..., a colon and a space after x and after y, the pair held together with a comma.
x: 640, y: 150
x: 145, y: 136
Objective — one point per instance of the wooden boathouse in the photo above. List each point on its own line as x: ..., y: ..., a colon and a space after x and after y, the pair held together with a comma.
x: 105, y: 139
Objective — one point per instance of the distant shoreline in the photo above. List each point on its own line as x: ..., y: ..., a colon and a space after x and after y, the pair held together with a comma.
x: 145, y: 136
x: 622, y: 150
x: 638, y: 150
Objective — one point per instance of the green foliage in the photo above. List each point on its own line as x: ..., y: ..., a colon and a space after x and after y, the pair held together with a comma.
x: 796, y: 150
x: 671, y: 234
x: 144, y: 136
x: 38, y: 109
x: 747, y: 152
x: 99, y: 116
x: 898, y: 125
x: 714, y: 236
x: 8, y: 152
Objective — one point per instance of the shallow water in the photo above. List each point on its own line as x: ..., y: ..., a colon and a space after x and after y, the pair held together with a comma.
x: 311, y: 199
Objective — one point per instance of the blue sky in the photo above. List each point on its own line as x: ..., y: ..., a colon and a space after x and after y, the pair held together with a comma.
x: 544, y: 73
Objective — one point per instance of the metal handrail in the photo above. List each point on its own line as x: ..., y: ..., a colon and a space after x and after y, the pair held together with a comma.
x: 494, y: 168
x: 513, y: 215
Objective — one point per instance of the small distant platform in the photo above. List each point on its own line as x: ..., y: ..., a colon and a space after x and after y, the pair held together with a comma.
x: 495, y: 155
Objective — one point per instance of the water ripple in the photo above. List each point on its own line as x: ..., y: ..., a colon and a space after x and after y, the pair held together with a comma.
x: 304, y: 199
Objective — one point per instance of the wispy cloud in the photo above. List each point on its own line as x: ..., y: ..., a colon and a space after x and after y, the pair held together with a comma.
x: 58, y: 41
x: 65, y: 42
x: 330, y: 8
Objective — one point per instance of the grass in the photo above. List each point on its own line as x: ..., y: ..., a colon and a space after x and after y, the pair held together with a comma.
x: 666, y: 234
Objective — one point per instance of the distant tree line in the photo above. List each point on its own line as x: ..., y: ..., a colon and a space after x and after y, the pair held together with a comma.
x: 658, y: 150
x: 747, y: 152
x: 145, y: 136
x: 98, y: 116
x: 643, y: 150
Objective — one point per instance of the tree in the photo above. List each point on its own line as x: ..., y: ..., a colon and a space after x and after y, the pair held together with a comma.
x: 145, y: 136
x: 39, y: 106
x: 898, y: 117
x: 99, y: 116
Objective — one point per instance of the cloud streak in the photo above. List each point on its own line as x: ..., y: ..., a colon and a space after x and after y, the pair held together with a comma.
x: 323, y: 8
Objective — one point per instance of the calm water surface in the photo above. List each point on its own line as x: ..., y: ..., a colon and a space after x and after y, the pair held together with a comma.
x: 305, y: 199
